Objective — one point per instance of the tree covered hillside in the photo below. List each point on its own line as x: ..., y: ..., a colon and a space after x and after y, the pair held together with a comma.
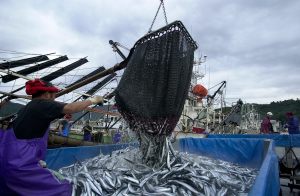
x: 280, y: 108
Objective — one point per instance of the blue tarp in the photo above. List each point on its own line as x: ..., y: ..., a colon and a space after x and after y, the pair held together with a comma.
x: 280, y: 140
x: 61, y: 157
x: 246, y: 152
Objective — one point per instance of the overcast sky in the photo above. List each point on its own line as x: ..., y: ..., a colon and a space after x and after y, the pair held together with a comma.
x: 253, y: 45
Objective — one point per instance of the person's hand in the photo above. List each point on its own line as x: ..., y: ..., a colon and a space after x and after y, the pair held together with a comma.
x: 96, y: 99
x: 42, y: 163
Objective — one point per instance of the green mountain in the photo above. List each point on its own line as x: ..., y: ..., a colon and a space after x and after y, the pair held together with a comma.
x: 278, y: 109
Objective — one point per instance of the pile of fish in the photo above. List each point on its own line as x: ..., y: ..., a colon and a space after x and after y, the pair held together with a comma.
x: 124, y: 173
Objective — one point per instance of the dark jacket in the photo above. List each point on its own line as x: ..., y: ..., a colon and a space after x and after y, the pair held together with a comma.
x: 293, y: 125
x: 266, y: 125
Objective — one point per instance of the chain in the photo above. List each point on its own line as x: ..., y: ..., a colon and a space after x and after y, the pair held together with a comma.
x: 164, y: 10
x: 154, y: 17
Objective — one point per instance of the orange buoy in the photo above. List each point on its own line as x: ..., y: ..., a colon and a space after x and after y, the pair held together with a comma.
x: 199, y: 90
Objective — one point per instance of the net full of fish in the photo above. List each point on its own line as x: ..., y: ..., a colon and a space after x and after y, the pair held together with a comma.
x: 157, y: 77
x: 154, y: 86
x: 124, y: 173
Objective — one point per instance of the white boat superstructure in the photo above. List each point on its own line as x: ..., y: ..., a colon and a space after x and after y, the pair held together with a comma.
x: 199, y: 113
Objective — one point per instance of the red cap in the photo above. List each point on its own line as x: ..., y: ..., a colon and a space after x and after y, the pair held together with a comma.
x: 36, y: 85
x: 289, y: 114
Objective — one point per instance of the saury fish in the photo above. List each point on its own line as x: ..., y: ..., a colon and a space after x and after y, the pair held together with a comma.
x: 125, y: 173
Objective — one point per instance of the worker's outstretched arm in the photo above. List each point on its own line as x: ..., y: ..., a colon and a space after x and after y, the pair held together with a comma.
x: 71, y: 108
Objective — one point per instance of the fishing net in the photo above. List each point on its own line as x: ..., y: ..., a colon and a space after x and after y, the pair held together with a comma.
x: 154, y: 86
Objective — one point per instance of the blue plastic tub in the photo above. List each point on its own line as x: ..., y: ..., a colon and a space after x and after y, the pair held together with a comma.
x: 61, y: 157
x: 280, y: 140
x: 254, y: 153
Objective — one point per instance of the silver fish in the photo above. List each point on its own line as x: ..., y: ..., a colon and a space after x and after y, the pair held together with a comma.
x: 124, y: 172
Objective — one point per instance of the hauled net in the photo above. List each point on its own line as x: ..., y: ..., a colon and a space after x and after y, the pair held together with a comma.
x: 153, y: 89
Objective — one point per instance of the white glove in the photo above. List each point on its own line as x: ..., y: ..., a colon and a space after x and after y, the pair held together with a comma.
x: 96, y: 99
x: 42, y: 163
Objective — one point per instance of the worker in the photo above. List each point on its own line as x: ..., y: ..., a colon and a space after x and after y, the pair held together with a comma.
x: 266, y: 125
x: 117, y: 136
x: 292, y: 123
x: 23, y: 147
x: 87, y: 132
x: 64, y: 125
x: 97, y: 137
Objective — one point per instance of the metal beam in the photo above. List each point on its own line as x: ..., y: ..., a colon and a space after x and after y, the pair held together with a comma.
x: 35, y: 68
x: 90, y: 79
x: 106, y: 72
x: 16, y: 90
x: 115, y: 47
x: 27, y: 61
x: 15, y: 74
x: 97, y: 76
x: 92, y: 91
x: 100, y: 84
x: 64, y: 70
x: 56, y: 74
x: 100, y: 69
x: 15, y: 96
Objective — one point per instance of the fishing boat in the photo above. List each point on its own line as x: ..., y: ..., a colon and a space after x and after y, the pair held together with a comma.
x: 204, y: 112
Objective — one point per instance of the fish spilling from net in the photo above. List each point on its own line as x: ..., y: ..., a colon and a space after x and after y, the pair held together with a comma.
x: 150, y: 96
x: 124, y: 173
x: 154, y: 87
